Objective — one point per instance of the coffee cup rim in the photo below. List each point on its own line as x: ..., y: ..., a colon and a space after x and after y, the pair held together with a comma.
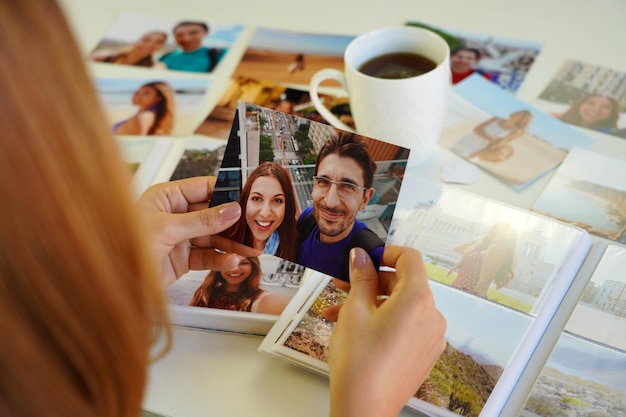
x: 442, y: 59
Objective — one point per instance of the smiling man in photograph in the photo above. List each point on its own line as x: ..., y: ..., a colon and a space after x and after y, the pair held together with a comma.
x: 342, y: 186
x: 464, y: 62
x: 192, y: 56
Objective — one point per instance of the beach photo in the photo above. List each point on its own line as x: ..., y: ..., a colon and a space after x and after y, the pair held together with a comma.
x: 147, y: 106
x: 290, y: 57
x: 593, y: 198
x: 500, y: 133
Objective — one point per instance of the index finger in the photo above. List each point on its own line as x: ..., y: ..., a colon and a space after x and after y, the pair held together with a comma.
x: 177, y: 196
x: 196, y: 189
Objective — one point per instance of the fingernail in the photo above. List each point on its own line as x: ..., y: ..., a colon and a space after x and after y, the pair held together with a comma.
x: 232, y: 262
x: 230, y: 211
x: 358, y: 258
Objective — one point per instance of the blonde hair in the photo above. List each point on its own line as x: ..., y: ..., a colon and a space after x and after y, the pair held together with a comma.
x: 78, y: 292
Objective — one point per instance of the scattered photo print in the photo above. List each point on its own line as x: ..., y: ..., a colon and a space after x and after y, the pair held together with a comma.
x: 593, y: 198
x: 149, y: 41
x: 501, y: 133
x: 281, y: 56
x: 144, y: 156
x: 274, y: 96
x: 587, y: 96
x: 160, y: 107
x: 198, y: 161
x: 192, y: 157
x: 504, y: 61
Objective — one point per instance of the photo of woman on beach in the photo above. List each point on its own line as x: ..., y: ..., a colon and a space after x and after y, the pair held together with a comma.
x: 155, y: 111
x: 139, y: 106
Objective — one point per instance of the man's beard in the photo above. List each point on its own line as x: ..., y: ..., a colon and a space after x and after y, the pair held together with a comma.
x: 336, y: 228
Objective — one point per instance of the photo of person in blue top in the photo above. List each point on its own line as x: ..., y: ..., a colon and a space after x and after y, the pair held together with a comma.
x: 192, y: 55
x: 342, y: 186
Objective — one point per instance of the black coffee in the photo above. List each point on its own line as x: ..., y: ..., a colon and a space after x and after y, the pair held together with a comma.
x: 397, y: 65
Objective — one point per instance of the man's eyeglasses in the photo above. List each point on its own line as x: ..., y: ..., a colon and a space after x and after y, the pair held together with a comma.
x: 344, y: 189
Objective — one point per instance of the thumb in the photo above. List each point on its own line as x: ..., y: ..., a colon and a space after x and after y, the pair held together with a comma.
x: 363, y: 277
x: 210, y: 221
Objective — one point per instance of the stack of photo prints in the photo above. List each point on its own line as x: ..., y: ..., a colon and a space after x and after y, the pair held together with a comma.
x: 546, y: 337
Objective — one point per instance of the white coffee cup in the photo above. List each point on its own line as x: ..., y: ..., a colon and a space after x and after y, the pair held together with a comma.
x: 408, y: 112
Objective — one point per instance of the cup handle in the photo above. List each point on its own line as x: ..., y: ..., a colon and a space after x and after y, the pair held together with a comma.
x: 316, y: 80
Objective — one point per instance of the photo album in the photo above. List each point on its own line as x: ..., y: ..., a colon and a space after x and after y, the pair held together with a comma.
x: 285, y: 173
x: 502, y: 327
x: 586, y: 368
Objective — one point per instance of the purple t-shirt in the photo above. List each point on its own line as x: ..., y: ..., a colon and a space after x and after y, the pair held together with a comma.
x: 329, y: 257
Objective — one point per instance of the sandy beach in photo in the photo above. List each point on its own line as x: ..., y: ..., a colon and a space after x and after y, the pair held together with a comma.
x: 516, y: 169
x: 274, y: 66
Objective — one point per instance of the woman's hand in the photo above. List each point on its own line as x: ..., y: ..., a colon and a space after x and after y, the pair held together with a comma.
x: 183, y: 230
x: 381, y: 351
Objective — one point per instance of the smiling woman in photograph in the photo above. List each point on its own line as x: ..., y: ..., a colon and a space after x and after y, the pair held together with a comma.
x: 140, y: 53
x: 486, y: 260
x: 155, y: 114
x: 594, y: 111
x: 238, y: 289
x: 269, y: 206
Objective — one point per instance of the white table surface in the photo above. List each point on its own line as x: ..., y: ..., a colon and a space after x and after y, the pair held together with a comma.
x: 218, y: 374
